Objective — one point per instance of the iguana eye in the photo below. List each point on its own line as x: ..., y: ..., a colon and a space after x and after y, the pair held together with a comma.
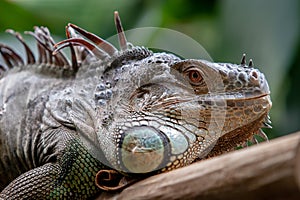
x: 194, y: 76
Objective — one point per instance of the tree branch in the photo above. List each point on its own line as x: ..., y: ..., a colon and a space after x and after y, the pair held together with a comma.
x: 265, y: 171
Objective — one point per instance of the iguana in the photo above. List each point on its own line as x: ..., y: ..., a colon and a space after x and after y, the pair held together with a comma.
x: 126, y: 113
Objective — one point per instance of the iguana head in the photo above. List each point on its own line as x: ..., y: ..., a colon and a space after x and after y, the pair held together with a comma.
x: 165, y: 112
x: 158, y: 112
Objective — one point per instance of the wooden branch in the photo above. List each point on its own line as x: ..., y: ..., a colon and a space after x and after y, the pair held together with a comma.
x: 265, y: 171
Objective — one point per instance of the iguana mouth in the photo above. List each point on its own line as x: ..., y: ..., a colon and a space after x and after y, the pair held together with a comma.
x: 240, y: 95
x: 253, y: 97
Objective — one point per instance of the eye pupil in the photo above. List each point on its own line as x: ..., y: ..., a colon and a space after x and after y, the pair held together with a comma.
x: 195, y: 75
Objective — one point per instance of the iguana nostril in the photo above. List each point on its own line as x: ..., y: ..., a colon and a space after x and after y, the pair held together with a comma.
x: 254, y: 77
x: 254, y: 74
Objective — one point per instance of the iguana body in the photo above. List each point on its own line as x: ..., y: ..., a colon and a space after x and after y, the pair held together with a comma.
x: 132, y: 111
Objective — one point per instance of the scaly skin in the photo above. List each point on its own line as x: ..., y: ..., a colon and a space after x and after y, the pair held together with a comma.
x: 132, y: 111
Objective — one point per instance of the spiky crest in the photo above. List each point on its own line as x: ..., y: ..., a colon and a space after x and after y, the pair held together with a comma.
x: 82, y: 44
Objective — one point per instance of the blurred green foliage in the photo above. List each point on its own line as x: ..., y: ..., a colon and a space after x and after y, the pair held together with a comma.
x: 268, y: 31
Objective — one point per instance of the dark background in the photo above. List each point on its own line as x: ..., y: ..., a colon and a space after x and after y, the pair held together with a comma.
x: 268, y: 31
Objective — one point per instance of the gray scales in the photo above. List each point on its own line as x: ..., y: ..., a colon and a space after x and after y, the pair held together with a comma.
x: 106, y: 118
